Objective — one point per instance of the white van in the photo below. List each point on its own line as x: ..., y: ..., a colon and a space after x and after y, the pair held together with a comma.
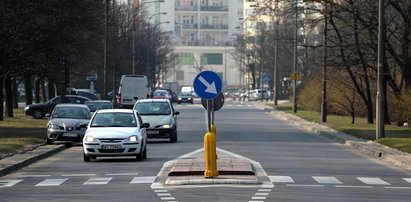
x: 132, y: 88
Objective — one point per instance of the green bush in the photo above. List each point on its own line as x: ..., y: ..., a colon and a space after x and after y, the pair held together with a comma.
x: 402, y: 109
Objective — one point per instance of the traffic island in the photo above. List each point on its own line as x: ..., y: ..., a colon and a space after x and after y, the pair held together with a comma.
x: 231, y: 171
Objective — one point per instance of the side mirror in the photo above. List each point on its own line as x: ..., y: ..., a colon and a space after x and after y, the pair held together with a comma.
x: 84, y: 125
x: 145, y: 125
x: 176, y: 113
x: 47, y: 115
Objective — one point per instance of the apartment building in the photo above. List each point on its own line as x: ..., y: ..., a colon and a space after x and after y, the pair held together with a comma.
x: 203, y: 32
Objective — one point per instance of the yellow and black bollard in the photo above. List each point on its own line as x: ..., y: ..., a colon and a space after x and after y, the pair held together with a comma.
x: 210, y: 155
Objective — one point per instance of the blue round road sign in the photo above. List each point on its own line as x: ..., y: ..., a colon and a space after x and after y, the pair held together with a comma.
x: 207, y: 85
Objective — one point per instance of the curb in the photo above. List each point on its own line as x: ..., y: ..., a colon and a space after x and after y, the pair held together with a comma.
x: 18, y: 161
x: 370, y: 148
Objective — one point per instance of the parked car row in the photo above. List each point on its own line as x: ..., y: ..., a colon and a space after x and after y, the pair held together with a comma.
x: 252, y: 94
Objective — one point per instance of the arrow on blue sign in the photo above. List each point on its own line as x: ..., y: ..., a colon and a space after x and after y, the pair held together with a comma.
x: 210, y: 87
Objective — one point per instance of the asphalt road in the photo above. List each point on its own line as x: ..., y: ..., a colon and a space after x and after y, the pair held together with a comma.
x: 301, y: 167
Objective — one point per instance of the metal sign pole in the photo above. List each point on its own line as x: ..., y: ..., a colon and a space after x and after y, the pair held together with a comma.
x: 209, y: 115
x: 212, y: 111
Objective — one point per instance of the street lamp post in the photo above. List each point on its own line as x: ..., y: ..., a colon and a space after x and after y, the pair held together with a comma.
x: 295, y: 59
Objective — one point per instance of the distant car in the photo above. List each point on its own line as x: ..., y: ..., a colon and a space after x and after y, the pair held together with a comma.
x: 38, y: 111
x: 67, y: 123
x: 85, y: 94
x: 256, y: 95
x: 185, y: 97
x: 161, y: 116
x: 95, y: 105
x: 131, y: 89
x: 115, y: 132
x: 162, y: 94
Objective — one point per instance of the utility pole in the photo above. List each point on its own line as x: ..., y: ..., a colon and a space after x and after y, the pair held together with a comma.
x: 324, y: 77
x: 380, y: 133
x: 295, y: 59
x: 275, y: 96
x: 105, y: 50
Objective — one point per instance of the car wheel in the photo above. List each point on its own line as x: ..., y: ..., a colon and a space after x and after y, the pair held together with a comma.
x: 178, y: 102
x: 145, y: 152
x: 173, y: 137
x: 38, y: 114
x: 86, y: 158
x: 140, y: 156
x: 192, y: 102
x: 49, y: 141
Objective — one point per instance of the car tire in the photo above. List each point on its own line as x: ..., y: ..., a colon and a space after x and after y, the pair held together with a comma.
x: 173, y: 137
x: 140, y: 155
x: 38, y: 114
x: 178, y: 102
x: 86, y: 158
x: 192, y: 102
x: 145, y: 152
x: 49, y: 141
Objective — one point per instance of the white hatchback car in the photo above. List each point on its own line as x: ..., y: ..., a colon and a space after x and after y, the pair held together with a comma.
x: 115, y: 132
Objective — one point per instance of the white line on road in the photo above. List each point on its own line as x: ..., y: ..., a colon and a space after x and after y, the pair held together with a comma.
x: 373, y: 181
x: 261, y: 194
x: 397, y: 187
x: 281, y: 179
x: 268, y: 186
x: 143, y: 180
x: 163, y: 194
x: 34, y: 175
x: 77, y: 175
x: 265, y: 190
x: 160, y: 190
x: 167, y: 198
x: 348, y: 186
x: 121, y: 174
x: 258, y: 198
x: 326, y: 180
x: 51, y: 182
x: 94, y: 181
x: 9, y: 183
x: 407, y: 179
x: 303, y: 185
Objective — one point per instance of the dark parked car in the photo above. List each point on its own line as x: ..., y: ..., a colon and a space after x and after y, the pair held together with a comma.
x: 85, y: 93
x: 68, y: 123
x: 38, y: 111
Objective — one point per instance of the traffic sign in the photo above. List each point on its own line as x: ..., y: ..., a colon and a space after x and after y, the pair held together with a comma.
x: 266, y: 77
x: 295, y: 76
x: 207, y: 85
x: 218, y: 102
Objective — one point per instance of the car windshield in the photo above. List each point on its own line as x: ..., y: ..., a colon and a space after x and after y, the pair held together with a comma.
x: 185, y: 94
x: 160, y: 93
x: 153, y: 108
x: 114, y: 119
x: 94, y: 106
x: 70, y: 113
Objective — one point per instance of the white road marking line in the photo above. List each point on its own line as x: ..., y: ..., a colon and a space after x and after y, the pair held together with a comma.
x: 258, y: 198
x: 397, y: 187
x: 34, y: 175
x: 303, y: 185
x: 270, y: 186
x: 255, y: 201
x: 9, y: 183
x: 121, y: 174
x: 407, y: 179
x: 326, y: 180
x: 94, y: 181
x: 160, y: 190
x: 51, y: 182
x: 264, y: 190
x: 347, y: 186
x: 167, y: 198
x: 281, y: 179
x: 373, y: 181
x: 156, y: 185
x: 143, y: 180
x: 261, y: 194
x: 163, y: 194
x: 77, y: 175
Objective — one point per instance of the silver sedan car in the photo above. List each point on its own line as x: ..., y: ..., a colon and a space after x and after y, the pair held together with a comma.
x: 115, y: 132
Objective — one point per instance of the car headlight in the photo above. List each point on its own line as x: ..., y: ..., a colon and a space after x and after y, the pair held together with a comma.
x: 166, y: 126
x: 89, y: 138
x: 55, y: 127
x: 132, y: 139
x: 189, y: 98
x: 179, y: 98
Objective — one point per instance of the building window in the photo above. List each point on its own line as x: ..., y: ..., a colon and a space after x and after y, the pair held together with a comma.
x: 185, y: 59
x: 180, y: 75
x: 212, y: 59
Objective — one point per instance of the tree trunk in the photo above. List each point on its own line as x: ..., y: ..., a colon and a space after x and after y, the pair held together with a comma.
x: 1, y: 99
x: 9, y: 97
x: 28, y: 90
x: 52, y: 89
x: 43, y: 91
x: 15, y: 93
x: 37, y: 90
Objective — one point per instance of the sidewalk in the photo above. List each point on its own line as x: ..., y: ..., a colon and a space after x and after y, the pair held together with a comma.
x: 371, y: 148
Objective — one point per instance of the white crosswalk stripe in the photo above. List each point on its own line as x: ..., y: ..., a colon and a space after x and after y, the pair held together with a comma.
x: 373, y: 181
x: 143, y: 180
x: 407, y: 179
x: 94, y: 181
x: 9, y: 183
x: 51, y: 182
x: 281, y: 179
x: 327, y: 180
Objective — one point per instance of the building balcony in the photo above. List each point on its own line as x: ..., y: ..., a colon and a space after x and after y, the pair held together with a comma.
x: 211, y: 26
x: 203, y: 43
x: 186, y: 8
x: 190, y: 26
x: 214, y: 8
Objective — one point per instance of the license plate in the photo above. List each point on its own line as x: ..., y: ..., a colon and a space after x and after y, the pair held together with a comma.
x: 69, y: 134
x: 111, y: 146
x: 153, y: 132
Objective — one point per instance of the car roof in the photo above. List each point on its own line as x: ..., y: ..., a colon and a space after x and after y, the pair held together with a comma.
x: 77, y: 96
x: 161, y: 90
x: 115, y: 110
x: 153, y: 100
x: 105, y: 101
x: 72, y: 105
